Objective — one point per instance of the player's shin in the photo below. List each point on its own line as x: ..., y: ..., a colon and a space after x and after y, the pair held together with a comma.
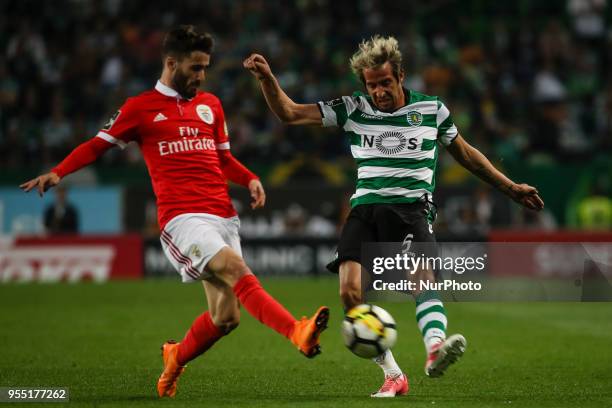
x: 431, y: 318
x: 387, y: 363
x: 262, y: 306
x: 200, y: 337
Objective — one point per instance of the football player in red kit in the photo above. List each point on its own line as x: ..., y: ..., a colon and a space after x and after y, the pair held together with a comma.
x: 183, y: 137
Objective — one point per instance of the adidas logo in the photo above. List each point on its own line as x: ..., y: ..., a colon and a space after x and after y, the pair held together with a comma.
x: 160, y: 116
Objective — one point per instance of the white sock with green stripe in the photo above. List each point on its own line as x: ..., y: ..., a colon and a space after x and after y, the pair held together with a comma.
x: 386, y: 361
x: 431, y: 318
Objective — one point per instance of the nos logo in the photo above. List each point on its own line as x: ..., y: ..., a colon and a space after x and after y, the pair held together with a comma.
x: 390, y: 143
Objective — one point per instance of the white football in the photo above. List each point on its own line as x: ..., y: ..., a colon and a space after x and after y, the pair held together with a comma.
x: 368, y: 330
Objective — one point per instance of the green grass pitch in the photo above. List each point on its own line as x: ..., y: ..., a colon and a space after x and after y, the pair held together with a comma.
x: 102, y: 342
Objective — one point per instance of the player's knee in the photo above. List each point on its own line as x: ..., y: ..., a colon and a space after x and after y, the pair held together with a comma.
x: 235, y: 268
x: 350, y: 293
x: 228, y: 322
x: 227, y: 326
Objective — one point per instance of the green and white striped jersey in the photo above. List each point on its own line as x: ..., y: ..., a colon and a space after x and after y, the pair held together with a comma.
x: 396, y: 153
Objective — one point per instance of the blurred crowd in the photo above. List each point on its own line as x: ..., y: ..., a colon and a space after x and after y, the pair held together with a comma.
x: 524, y: 79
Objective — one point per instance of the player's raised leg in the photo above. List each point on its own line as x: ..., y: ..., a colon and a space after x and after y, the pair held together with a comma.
x: 396, y: 382
x: 229, y: 266
x: 222, y: 317
x: 432, y: 321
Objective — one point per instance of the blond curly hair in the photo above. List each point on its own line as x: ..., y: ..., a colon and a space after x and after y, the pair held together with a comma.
x: 375, y: 52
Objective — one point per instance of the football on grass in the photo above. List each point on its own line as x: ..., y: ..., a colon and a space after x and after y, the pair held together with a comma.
x: 368, y: 330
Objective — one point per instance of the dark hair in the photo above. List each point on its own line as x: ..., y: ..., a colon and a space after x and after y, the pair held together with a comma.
x: 183, y: 40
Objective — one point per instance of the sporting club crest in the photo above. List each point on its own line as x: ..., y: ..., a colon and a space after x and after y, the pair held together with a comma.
x: 414, y: 118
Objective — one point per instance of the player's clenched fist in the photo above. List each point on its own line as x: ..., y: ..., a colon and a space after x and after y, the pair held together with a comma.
x: 42, y: 183
x: 258, y: 66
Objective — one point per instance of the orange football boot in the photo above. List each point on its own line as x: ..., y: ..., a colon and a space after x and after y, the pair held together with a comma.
x: 306, y: 332
x: 166, y: 385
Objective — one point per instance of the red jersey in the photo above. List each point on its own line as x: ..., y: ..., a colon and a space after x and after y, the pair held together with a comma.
x: 179, y: 139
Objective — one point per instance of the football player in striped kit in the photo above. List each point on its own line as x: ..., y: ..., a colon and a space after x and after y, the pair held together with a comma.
x: 395, y: 134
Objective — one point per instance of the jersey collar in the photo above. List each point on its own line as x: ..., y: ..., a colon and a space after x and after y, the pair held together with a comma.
x: 368, y: 98
x: 167, y: 91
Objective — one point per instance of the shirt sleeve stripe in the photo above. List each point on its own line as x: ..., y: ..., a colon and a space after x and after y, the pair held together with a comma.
x: 223, y: 146
x: 443, y: 114
x: 450, y: 135
x: 111, y: 139
x: 328, y: 115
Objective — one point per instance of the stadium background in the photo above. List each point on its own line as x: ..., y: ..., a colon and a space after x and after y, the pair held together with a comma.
x: 528, y: 82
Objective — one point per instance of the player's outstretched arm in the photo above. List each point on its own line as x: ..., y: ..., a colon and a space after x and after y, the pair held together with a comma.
x: 278, y: 101
x: 41, y: 183
x: 476, y: 162
x: 84, y: 154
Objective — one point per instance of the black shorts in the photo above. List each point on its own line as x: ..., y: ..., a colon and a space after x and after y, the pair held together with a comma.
x: 384, y: 223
